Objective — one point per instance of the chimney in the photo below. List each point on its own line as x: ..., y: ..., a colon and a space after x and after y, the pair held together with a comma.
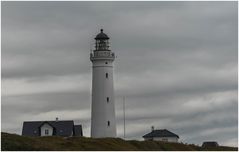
x: 152, y: 128
x: 56, y: 118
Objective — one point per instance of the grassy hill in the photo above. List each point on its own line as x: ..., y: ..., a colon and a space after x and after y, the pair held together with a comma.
x: 17, y: 143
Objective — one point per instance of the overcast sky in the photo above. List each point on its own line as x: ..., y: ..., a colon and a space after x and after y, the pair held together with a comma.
x: 176, y: 65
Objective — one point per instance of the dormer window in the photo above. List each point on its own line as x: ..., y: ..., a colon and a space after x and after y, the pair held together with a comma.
x: 46, y: 132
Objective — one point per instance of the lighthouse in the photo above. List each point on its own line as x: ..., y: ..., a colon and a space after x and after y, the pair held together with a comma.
x: 103, y: 123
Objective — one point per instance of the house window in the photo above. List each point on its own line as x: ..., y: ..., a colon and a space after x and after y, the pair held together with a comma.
x: 46, y: 132
x: 108, y: 99
x: 106, y: 75
x: 106, y: 62
x: 108, y: 123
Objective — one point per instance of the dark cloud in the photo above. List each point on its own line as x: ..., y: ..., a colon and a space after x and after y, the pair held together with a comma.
x: 176, y: 64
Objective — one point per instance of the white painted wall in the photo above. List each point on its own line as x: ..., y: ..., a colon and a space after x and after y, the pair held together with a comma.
x: 44, y: 127
x: 102, y: 87
x: 168, y: 139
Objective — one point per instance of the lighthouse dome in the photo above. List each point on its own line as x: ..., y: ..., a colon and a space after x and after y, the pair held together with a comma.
x: 101, y: 36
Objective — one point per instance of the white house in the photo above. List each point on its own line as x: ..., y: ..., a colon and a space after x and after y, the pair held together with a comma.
x: 161, y: 135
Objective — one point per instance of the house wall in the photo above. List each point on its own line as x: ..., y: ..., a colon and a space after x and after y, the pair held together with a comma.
x: 45, y: 127
x: 168, y: 139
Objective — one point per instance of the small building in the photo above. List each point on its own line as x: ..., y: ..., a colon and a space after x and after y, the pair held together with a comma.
x: 64, y: 128
x: 210, y: 144
x: 161, y: 135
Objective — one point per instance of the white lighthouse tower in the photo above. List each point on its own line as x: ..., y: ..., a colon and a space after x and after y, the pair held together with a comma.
x: 103, y: 122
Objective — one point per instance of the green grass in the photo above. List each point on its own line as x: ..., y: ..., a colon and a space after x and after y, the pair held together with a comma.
x: 13, y: 142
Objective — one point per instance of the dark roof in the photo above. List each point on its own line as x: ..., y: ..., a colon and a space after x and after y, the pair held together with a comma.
x: 160, y: 133
x: 62, y: 128
x: 210, y: 144
x: 101, y: 36
x: 78, y: 130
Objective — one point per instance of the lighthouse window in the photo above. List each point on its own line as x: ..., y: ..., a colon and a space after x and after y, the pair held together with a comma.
x: 108, y: 123
x: 108, y: 99
x: 106, y: 75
